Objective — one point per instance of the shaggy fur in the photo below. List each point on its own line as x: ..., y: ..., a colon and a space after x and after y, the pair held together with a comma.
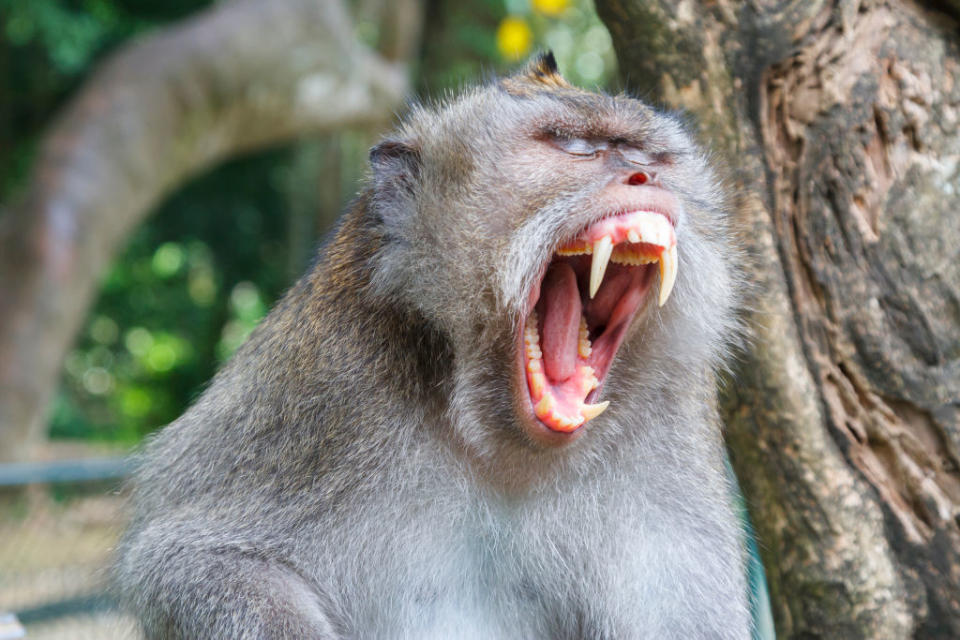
x: 357, y: 470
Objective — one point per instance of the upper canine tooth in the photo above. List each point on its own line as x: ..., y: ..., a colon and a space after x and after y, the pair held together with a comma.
x: 668, y: 273
x: 602, y: 249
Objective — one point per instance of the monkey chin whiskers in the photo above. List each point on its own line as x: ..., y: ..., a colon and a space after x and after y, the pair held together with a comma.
x: 579, y: 314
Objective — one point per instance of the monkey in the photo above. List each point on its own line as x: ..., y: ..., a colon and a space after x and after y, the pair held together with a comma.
x: 487, y: 411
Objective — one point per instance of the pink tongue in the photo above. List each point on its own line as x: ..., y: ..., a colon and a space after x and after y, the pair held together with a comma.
x: 561, y: 321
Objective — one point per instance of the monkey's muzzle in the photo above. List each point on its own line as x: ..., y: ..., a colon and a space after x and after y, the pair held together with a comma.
x: 589, y: 295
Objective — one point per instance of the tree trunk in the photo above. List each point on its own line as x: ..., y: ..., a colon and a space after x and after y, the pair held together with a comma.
x: 838, y: 121
x: 240, y: 75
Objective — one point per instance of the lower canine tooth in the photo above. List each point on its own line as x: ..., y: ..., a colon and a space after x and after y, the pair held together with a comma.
x: 602, y: 249
x: 668, y: 273
x: 591, y: 411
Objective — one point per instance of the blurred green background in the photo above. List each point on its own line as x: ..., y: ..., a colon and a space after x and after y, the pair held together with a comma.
x: 210, y: 261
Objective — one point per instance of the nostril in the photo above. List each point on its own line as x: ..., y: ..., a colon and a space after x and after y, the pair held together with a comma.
x: 640, y: 177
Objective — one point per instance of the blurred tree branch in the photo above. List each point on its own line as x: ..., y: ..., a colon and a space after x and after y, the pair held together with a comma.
x: 238, y: 76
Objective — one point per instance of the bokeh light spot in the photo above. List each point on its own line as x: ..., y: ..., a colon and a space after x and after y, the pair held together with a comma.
x: 597, y: 38
x: 560, y: 40
x: 551, y: 7
x: 135, y: 402
x: 104, y: 330
x: 98, y: 381
x: 201, y: 287
x: 245, y: 298
x: 514, y: 38
x: 590, y: 65
x: 168, y: 259
x: 138, y: 341
x: 161, y: 357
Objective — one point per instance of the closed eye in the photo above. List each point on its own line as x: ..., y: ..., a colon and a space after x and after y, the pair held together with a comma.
x: 636, y: 156
x: 578, y: 146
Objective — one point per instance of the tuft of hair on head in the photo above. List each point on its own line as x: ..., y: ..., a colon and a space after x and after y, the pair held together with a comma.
x: 540, y: 73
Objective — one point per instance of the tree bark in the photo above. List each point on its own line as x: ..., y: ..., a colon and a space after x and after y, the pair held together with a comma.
x: 238, y: 76
x: 838, y: 120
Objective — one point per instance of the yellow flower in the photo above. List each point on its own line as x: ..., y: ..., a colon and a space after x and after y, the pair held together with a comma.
x: 514, y: 38
x: 551, y: 7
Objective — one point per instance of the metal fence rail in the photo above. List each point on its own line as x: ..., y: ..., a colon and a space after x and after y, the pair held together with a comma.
x: 16, y: 474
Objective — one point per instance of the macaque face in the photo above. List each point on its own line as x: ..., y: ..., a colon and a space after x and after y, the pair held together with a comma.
x: 622, y: 257
x: 571, y: 212
x: 608, y: 255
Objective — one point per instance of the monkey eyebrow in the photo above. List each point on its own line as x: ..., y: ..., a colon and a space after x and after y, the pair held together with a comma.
x: 573, y: 128
x: 598, y: 132
x: 600, y: 139
x: 589, y: 129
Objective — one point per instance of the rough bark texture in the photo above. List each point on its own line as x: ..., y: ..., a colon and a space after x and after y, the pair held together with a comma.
x: 839, y: 122
x: 238, y: 76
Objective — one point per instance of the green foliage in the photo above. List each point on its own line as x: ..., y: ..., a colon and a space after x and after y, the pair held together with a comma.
x: 190, y: 286
x: 69, y: 38
x: 46, y: 49
x: 459, y: 43
x: 466, y: 39
x: 195, y: 279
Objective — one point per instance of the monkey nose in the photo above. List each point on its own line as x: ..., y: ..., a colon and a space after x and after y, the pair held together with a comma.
x: 641, y: 177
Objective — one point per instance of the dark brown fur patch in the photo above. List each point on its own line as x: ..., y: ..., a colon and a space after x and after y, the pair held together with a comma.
x: 540, y: 73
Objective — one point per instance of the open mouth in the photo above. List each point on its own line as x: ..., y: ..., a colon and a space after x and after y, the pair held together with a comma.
x: 590, y: 292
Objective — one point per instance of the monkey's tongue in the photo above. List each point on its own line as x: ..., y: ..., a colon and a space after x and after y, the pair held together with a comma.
x: 559, y: 377
x: 561, y: 321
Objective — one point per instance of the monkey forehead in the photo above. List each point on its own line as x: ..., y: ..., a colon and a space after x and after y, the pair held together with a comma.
x: 492, y: 117
x: 581, y: 114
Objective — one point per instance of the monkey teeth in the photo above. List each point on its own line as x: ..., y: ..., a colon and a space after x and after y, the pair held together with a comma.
x: 590, y: 381
x: 560, y: 407
x: 625, y: 255
x: 574, y: 249
x: 583, y: 343
x: 668, y: 273
x: 634, y: 239
x: 602, y: 249
x: 591, y: 411
x: 531, y: 345
x: 573, y: 369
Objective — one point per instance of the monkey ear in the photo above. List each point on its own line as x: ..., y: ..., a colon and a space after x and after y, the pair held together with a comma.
x: 396, y: 172
x: 391, y: 156
x: 395, y: 164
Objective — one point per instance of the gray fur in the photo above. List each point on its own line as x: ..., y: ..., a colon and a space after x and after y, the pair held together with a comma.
x: 357, y: 471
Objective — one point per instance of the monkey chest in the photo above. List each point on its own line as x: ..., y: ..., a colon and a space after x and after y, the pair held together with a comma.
x: 517, y: 581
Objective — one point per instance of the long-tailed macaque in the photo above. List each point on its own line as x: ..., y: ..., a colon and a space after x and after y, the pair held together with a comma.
x: 487, y: 411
